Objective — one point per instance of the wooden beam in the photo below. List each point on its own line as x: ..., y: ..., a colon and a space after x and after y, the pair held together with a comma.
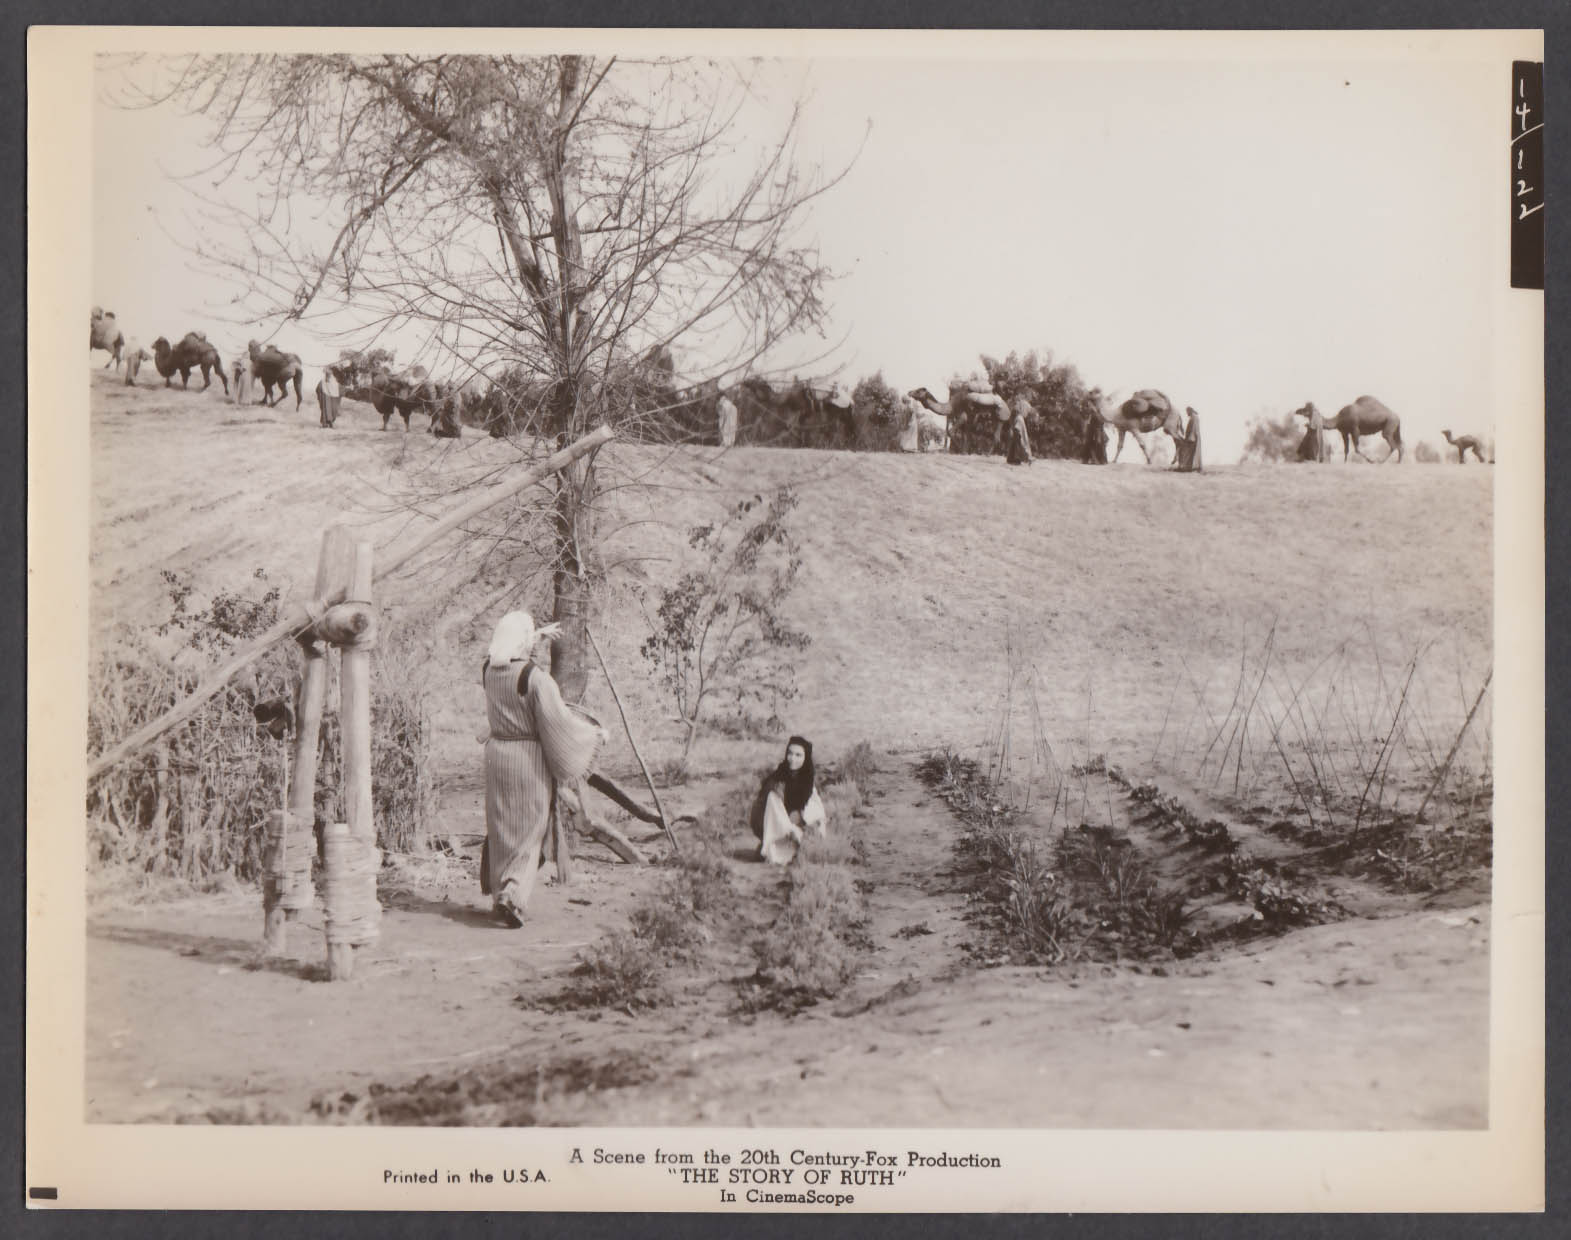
x: 617, y: 698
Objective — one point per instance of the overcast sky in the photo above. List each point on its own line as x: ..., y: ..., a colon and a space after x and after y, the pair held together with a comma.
x: 1244, y: 232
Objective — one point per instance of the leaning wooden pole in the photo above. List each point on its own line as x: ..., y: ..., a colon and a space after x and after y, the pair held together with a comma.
x: 297, y: 618
x: 616, y: 697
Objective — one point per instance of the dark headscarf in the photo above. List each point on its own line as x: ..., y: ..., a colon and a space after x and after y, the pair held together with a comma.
x: 796, y: 786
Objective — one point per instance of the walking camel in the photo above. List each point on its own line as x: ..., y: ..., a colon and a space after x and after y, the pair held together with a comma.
x: 1144, y: 413
x: 192, y: 352
x: 271, y: 367
x: 1365, y: 416
x: 105, y: 334
x: 1462, y: 443
x: 963, y: 411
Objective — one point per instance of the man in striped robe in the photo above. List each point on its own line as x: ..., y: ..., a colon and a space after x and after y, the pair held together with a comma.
x: 534, y: 740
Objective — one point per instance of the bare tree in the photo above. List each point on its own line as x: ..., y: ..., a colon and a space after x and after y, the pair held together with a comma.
x: 559, y: 218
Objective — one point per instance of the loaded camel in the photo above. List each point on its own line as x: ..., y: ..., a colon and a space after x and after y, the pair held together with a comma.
x: 1462, y: 443
x: 411, y: 392
x: 797, y: 414
x: 966, y: 414
x: 1365, y: 416
x: 271, y: 367
x: 1144, y: 413
x: 105, y: 334
x: 192, y: 352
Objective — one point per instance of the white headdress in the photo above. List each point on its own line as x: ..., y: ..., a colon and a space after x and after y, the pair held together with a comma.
x: 515, y: 636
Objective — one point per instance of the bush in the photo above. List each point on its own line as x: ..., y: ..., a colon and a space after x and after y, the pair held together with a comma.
x: 1059, y: 400
x: 717, y: 632
x: 621, y: 971
x: 813, y: 949
x: 879, y: 414
x: 857, y: 769
x: 1273, y: 439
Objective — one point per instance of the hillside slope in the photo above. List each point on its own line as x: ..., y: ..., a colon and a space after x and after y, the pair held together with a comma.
x: 920, y: 573
x: 932, y: 587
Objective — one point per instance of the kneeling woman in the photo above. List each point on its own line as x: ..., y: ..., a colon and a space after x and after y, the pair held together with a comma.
x: 787, y: 804
x: 534, y: 739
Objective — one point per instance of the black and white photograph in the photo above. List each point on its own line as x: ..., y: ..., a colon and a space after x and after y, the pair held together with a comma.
x: 787, y: 621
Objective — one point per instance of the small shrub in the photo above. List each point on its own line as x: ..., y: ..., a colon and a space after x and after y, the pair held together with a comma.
x: 722, y: 821
x: 832, y: 848
x: 946, y: 769
x: 672, y: 773
x: 719, y: 632
x: 702, y: 884
x: 1036, y: 909
x: 622, y: 971
x: 859, y: 764
x: 799, y: 963
x: 812, y: 951
x: 664, y: 925
x: 824, y: 893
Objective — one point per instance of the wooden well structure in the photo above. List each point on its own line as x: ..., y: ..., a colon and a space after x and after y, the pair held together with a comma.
x: 342, y: 615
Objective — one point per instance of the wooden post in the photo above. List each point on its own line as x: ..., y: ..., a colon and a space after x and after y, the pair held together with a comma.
x: 281, y: 905
x: 355, y: 725
x: 336, y: 845
x: 564, y: 851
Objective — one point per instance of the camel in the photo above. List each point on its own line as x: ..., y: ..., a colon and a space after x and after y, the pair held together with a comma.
x: 1144, y: 413
x: 272, y: 367
x: 1462, y: 443
x: 1365, y: 416
x: 798, y: 413
x: 965, y: 412
x: 192, y: 352
x: 408, y: 393
x: 105, y: 334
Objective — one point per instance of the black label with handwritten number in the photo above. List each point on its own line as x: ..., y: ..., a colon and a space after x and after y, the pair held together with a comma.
x: 1527, y: 174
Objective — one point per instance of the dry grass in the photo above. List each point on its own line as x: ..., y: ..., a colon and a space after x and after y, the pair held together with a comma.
x: 194, y: 806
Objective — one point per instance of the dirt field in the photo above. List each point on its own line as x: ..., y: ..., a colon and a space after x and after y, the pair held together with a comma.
x: 1120, y: 614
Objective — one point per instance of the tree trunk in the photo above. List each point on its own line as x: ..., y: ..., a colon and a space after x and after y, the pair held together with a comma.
x: 574, y: 535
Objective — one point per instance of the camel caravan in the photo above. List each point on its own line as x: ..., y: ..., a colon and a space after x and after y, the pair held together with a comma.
x: 752, y: 411
x: 269, y: 372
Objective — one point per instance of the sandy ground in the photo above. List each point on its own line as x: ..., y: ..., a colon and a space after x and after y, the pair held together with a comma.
x: 1114, y: 583
x: 1359, y: 1024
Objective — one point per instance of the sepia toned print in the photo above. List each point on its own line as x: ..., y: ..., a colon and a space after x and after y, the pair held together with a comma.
x: 714, y: 660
